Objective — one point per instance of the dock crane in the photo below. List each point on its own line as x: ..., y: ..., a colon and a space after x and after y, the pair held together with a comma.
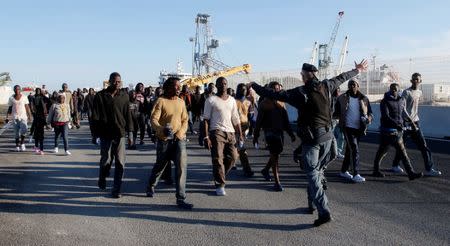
x: 323, y: 52
x: 201, y: 80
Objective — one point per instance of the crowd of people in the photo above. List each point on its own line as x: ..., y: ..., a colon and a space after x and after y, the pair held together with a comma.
x: 329, y: 126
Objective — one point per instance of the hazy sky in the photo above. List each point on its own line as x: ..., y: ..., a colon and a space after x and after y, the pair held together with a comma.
x: 81, y: 42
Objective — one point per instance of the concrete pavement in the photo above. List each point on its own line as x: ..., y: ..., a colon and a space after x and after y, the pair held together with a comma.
x: 54, y: 200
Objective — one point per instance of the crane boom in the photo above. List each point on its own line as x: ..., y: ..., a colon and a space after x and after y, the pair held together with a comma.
x: 334, y: 33
x: 204, y: 79
x: 313, y: 57
x: 343, y: 56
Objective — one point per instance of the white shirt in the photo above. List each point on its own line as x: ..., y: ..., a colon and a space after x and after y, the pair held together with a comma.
x: 222, y: 114
x: 18, y: 111
x: 353, y: 116
x: 412, y: 98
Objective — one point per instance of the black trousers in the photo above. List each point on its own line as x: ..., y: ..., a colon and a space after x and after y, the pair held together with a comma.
x: 396, y: 140
x: 352, y: 137
x: 419, y: 140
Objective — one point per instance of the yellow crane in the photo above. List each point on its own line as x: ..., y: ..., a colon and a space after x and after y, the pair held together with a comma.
x: 206, y: 78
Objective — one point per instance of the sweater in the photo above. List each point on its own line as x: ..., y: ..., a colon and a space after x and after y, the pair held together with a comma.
x: 173, y: 112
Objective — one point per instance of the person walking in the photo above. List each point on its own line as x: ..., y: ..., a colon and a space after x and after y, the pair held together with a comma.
x: 19, y: 108
x: 170, y: 120
x: 412, y: 96
x: 243, y: 107
x: 39, y: 109
x: 140, y: 99
x: 134, y: 110
x: 185, y: 95
x: 88, y: 108
x: 209, y: 91
x: 195, y: 104
x: 112, y: 119
x: 269, y: 110
x: 355, y: 114
x: 313, y: 103
x: 220, y: 125
x: 59, y: 118
x: 68, y: 100
x: 393, y: 115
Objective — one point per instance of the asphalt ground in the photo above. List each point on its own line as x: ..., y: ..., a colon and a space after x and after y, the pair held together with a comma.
x: 54, y: 200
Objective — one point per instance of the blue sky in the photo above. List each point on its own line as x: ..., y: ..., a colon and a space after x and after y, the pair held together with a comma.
x: 81, y: 42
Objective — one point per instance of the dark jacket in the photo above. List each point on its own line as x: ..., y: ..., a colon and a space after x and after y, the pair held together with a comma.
x: 393, y: 112
x: 196, y: 103
x: 111, y: 115
x: 89, y: 104
x: 342, y: 105
x: 313, y: 103
x: 269, y: 110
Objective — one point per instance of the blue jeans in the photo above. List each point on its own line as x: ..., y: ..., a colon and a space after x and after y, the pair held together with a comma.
x: 20, y: 128
x: 166, y: 151
x: 340, y: 141
x: 64, y: 132
x: 314, y: 159
x: 112, y: 149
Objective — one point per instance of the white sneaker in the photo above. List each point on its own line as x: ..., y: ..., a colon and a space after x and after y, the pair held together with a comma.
x: 358, y: 179
x: 397, y: 169
x: 55, y: 150
x: 346, y: 175
x: 221, y: 191
x: 37, y: 150
x: 68, y: 153
x: 17, y: 149
x: 22, y: 147
x: 433, y: 173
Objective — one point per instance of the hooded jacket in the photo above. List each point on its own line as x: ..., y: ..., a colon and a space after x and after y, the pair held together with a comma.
x: 393, y: 112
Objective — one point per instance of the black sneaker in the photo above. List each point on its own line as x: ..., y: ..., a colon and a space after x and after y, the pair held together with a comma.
x: 278, y: 187
x: 102, y: 184
x: 141, y: 142
x: 311, y: 210
x: 322, y: 220
x: 115, y: 195
x: 184, y: 205
x: 265, y: 173
x: 414, y: 175
x: 378, y: 174
x: 150, y: 192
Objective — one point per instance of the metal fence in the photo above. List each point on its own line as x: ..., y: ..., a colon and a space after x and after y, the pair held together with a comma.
x: 376, y: 81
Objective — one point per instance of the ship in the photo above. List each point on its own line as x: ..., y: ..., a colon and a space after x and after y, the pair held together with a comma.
x: 5, y: 88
